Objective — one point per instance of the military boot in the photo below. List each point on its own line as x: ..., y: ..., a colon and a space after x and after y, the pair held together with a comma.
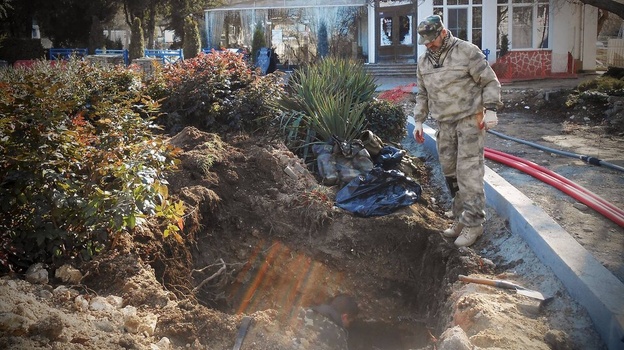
x: 468, y: 236
x: 454, y: 230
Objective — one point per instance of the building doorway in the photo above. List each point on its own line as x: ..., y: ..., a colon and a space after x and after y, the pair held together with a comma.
x: 396, y: 39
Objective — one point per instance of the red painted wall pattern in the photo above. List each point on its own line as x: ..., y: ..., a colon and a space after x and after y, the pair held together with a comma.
x: 524, y: 65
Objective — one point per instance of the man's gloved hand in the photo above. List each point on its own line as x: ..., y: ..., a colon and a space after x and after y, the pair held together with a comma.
x: 490, y: 119
x: 419, y: 135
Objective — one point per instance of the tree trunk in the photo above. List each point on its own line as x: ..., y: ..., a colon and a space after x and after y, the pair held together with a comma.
x: 602, y: 18
x: 151, y: 25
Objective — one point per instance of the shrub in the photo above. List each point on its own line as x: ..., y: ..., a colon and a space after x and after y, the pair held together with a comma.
x: 137, y: 41
x: 14, y: 49
x: 216, y: 92
x: 386, y: 119
x: 504, y: 45
x: 78, y: 161
x: 192, y: 41
x: 96, y: 35
x: 604, y: 84
x: 257, y: 42
x: 322, y: 48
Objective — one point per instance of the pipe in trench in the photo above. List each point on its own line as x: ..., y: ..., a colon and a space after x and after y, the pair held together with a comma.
x: 575, y: 191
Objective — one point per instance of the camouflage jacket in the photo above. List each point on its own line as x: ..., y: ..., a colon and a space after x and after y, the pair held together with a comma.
x: 462, y: 85
x: 319, y: 329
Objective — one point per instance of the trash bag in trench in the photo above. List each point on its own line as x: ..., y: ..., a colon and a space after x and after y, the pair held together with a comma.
x: 389, y: 157
x: 378, y: 193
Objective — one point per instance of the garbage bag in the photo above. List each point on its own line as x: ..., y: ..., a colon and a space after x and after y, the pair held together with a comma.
x: 389, y: 157
x: 378, y: 193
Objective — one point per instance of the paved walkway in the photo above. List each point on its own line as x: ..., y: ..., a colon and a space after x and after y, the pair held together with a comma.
x: 389, y: 82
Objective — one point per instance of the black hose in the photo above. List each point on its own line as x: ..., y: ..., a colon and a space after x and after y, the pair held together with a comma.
x: 588, y: 159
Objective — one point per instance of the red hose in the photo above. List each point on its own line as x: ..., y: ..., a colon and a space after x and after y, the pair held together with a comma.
x: 558, y: 177
x: 576, y: 191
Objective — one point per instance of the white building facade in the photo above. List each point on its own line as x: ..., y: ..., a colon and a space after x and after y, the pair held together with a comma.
x: 522, y: 38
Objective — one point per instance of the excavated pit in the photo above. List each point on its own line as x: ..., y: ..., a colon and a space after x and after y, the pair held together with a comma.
x: 399, y: 282
x: 280, y: 244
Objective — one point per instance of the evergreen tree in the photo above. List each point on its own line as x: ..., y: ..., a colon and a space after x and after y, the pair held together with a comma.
x: 257, y: 42
x: 137, y: 42
x: 322, y: 49
x: 504, y: 45
x: 96, y: 35
x: 192, y: 40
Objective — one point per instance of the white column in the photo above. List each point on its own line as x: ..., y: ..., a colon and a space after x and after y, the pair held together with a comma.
x: 425, y: 9
x: 489, y: 28
x: 590, y: 33
x: 565, y: 30
x: 372, y: 34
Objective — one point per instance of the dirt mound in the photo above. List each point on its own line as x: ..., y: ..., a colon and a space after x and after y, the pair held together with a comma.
x: 262, y: 241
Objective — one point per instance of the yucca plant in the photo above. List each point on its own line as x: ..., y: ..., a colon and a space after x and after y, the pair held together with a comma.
x: 337, y: 115
x: 331, y: 93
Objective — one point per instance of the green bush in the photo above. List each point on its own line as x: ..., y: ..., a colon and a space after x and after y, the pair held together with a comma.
x: 137, y: 41
x: 78, y: 161
x: 386, y: 119
x: 96, y: 35
x: 322, y: 47
x: 14, y: 49
x: 258, y: 41
x: 604, y: 84
x: 216, y: 92
x: 192, y: 41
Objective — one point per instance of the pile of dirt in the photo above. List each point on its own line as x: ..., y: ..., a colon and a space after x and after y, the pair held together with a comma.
x: 261, y: 242
x: 568, y: 105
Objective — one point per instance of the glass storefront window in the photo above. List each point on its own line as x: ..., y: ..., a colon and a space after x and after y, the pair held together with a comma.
x: 521, y: 36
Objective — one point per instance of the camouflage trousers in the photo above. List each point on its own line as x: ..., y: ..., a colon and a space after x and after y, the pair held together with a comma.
x: 460, y: 150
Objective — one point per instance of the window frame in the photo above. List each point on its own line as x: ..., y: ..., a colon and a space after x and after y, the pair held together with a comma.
x: 442, y: 7
x: 537, y: 28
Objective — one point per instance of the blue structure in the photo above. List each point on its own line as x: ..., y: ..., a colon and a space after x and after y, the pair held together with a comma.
x: 167, y: 56
x: 264, y: 59
x: 65, y: 54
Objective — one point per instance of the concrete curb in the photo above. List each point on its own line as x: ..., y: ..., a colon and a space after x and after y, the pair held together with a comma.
x: 587, y: 281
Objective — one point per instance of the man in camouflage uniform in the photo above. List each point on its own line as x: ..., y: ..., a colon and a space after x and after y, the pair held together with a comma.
x: 325, y: 326
x: 457, y: 86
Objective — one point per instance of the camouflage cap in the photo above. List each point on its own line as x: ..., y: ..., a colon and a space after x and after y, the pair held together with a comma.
x: 429, y: 29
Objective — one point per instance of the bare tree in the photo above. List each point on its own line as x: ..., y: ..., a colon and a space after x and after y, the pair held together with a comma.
x: 614, y: 6
x: 603, y: 16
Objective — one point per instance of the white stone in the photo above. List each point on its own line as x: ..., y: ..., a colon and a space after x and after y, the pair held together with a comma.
x: 37, y: 274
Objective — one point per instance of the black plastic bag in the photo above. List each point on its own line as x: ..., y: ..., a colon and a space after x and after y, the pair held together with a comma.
x: 378, y: 193
x: 389, y: 157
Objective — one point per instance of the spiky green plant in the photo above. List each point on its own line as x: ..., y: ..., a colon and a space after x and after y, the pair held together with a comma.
x: 337, y: 115
x: 330, y: 93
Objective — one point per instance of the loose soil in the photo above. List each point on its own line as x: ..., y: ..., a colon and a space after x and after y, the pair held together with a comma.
x: 259, y: 242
